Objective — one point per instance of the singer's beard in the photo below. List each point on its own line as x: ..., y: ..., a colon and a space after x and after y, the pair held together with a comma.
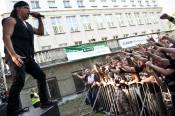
x: 26, y: 16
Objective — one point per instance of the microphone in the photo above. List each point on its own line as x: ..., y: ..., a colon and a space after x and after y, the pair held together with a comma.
x: 39, y: 15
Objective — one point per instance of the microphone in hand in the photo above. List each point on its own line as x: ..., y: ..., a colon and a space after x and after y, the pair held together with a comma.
x: 38, y: 15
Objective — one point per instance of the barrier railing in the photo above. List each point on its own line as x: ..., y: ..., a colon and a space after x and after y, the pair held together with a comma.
x: 135, y: 100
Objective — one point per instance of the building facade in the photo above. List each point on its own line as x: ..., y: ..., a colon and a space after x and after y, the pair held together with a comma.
x: 76, y: 22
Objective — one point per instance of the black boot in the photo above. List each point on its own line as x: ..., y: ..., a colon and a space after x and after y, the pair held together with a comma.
x: 49, y: 103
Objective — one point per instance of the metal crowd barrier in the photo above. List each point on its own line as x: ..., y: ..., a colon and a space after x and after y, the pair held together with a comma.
x: 137, y: 100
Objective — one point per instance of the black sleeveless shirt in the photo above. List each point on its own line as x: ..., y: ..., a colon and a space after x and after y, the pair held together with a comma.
x: 22, y: 39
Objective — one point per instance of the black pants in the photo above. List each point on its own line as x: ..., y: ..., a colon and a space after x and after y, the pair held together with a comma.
x: 36, y: 105
x: 18, y: 74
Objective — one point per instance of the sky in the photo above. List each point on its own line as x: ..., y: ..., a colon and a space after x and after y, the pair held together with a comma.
x: 168, y: 7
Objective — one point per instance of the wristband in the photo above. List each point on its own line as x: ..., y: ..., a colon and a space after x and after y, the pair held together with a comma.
x: 152, y: 65
x: 150, y: 55
x: 130, y: 54
x: 171, y: 19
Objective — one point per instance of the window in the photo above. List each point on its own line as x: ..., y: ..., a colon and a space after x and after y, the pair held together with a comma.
x: 158, y: 30
x: 78, y: 42
x: 154, y: 3
x: 125, y: 35
x: 63, y: 45
x: 103, y: 2
x: 128, y: 15
x: 35, y: 4
x: 72, y: 24
x: 98, y: 21
x: 135, y: 34
x: 110, y: 20
x: 140, y: 3
x: 104, y: 38
x: 51, y: 4
x: 66, y: 4
x: 144, y: 32
x: 132, y: 3
x: 53, y: 88
x: 146, y: 18
x: 114, y: 3
x: 153, y: 17
x: 46, y: 47
x: 120, y: 19
x: 80, y: 3
x: 92, y: 2
x: 115, y: 37
x: 57, y: 25
x: 92, y: 39
x: 86, y: 22
x: 147, y: 3
x: 45, y: 27
x: 138, y: 19
x: 124, y: 3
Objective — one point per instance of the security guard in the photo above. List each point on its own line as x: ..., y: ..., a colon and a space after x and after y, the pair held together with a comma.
x: 35, y: 98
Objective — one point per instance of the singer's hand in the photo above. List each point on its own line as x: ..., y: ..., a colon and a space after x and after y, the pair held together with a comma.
x: 36, y: 15
x: 17, y: 60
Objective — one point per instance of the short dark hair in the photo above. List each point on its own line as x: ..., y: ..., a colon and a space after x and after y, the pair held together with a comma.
x: 116, y: 58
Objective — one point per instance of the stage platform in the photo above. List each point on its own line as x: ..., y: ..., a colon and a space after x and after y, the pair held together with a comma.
x: 51, y: 111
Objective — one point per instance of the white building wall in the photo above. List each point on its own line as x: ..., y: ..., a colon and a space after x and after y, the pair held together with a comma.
x: 69, y: 38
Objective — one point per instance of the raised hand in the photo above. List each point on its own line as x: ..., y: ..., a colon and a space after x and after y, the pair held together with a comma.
x: 164, y: 16
x: 126, y: 50
x: 108, y: 57
x: 147, y: 52
x: 150, y: 39
x: 74, y: 74
x: 35, y: 15
x: 148, y: 63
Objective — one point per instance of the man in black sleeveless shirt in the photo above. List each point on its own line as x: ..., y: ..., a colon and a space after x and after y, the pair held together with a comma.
x: 18, y: 38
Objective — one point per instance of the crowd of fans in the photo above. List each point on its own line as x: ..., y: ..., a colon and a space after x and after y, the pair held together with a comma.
x: 152, y: 66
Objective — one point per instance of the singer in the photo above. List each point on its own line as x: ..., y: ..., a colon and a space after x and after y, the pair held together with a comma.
x: 18, y: 37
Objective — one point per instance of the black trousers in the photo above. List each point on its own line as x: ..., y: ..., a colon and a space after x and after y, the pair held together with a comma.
x: 18, y: 74
x: 36, y: 105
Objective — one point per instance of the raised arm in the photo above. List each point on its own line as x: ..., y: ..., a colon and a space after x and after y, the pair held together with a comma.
x: 138, y: 57
x: 169, y: 39
x: 166, y: 16
x: 135, y: 79
x: 40, y: 29
x: 163, y: 71
x: 155, y: 77
x: 169, y: 50
x: 165, y: 62
x: 128, y: 69
x: 80, y: 77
